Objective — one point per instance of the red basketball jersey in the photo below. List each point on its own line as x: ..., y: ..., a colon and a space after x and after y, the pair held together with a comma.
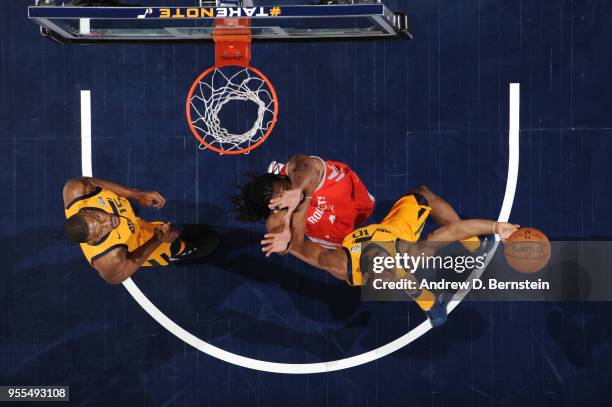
x: 340, y: 203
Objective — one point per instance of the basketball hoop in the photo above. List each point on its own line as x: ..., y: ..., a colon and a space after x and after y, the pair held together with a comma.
x: 232, y: 79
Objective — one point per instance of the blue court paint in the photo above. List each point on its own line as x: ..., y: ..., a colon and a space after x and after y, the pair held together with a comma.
x: 431, y: 111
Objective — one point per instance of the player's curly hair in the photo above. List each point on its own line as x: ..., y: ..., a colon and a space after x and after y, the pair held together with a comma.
x: 251, y: 202
x: 76, y: 229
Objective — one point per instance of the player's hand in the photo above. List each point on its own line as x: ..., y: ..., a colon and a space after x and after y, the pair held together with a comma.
x: 150, y: 198
x: 166, y: 233
x: 505, y: 230
x: 276, y: 242
x: 289, y: 199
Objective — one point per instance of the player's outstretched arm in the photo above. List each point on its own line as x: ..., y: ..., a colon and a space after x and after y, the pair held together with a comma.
x: 283, y: 229
x: 79, y: 186
x: 463, y: 229
x: 119, y: 265
x: 441, y: 211
x: 276, y: 224
x: 332, y: 261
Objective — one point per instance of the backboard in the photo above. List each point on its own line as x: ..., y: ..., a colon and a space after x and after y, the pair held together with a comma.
x: 306, y: 22
x: 232, y: 25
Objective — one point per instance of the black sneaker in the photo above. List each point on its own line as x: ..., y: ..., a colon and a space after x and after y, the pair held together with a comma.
x: 198, y: 248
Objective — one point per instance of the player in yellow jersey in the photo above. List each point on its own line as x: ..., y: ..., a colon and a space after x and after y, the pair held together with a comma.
x: 114, y: 240
x: 397, y: 233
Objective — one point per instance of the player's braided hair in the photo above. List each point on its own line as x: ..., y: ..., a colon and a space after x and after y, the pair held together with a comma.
x: 76, y: 229
x: 251, y: 202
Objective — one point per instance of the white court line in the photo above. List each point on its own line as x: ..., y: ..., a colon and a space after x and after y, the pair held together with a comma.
x: 86, y: 167
x: 511, y: 180
x: 321, y: 367
x: 513, y: 159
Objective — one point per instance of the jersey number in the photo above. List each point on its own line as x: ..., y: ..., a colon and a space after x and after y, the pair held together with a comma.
x: 117, y: 206
x: 362, y: 235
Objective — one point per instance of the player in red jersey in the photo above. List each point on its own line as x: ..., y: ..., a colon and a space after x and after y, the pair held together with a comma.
x: 339, y: 199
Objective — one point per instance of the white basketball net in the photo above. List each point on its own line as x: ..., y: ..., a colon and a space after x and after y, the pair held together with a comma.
x: 223, y: 85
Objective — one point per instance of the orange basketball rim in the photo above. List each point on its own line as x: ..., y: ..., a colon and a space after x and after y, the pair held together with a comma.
x: 231, y: 79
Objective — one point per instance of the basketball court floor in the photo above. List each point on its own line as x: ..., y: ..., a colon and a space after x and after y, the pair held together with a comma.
x: 433, y: 110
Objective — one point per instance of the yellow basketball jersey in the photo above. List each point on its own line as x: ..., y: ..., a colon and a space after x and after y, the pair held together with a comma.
x: 131, y: 233
x: 405, y: 221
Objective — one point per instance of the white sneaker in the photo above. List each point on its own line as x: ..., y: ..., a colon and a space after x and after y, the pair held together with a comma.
x: 275, y: 167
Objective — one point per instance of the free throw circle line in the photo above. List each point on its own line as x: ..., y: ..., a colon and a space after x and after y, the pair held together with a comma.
x: 366, y: 357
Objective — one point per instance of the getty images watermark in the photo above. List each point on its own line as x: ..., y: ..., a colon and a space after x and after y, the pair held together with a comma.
x: 398, y: 273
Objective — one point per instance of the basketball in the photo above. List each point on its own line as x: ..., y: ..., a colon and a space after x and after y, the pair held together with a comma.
x: 527, y: 250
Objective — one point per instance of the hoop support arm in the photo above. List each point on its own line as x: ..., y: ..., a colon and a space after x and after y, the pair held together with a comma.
x: 232, y: 42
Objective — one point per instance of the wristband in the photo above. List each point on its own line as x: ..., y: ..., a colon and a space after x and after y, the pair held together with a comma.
x: 494, y: 224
